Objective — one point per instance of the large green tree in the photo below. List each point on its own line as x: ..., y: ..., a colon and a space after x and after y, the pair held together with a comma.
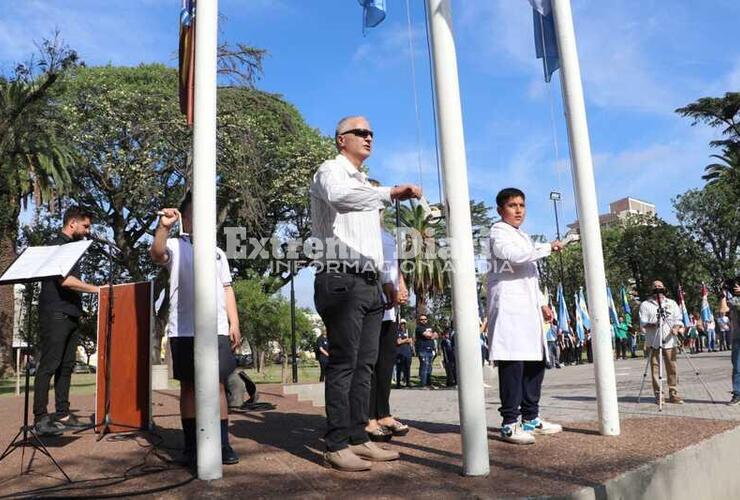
x: 711, y: 217
x: 264, y: 319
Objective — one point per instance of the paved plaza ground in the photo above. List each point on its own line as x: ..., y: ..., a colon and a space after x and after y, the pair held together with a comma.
x: 281, y: 448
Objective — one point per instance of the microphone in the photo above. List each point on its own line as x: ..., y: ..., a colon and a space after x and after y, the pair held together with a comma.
x: 101, y: 239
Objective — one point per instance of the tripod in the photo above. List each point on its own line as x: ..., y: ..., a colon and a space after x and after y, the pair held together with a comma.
x: 29, y: 437
x: 661, y: 316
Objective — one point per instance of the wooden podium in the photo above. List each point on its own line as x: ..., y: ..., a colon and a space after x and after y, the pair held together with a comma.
x: 132, y: 324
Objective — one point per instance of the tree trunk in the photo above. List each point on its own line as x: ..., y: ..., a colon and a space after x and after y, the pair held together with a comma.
x: 421, y: 304
x: 7, y: 299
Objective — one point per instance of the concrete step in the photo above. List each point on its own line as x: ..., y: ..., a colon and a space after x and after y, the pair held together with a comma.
x: 313, y: 393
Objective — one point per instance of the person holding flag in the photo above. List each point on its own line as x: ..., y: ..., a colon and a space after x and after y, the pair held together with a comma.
x: 660, y: 317
x: 515, y: 313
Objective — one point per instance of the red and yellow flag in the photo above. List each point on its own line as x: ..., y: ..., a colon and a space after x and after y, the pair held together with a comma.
x: 187, y: 59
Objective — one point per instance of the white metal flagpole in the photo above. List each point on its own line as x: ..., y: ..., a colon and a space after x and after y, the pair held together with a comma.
x: 207, y: 407
x: 464, y: 300
x: 585, y: 191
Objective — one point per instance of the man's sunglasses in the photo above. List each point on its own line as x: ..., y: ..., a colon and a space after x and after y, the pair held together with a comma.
x: 359, y: 132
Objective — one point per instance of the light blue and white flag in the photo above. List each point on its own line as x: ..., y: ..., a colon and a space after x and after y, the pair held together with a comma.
x: 625, y: 300
x: 545, y: 42
x: 373, y: 13
x: 706, y: 311
x: 563, y: 316
x: 613, y: 315
x: 582, y: 310
x: 580, y: 331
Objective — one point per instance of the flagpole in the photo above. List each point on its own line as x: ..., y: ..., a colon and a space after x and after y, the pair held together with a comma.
x: 454, y: 171
x: 207, y: 395
x: 585, y: 191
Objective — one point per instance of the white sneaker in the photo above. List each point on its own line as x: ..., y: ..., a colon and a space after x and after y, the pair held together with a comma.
x: 513, y: 433
x: 539, y: 426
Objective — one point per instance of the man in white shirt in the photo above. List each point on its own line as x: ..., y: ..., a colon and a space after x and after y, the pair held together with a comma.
x: 177, y: 255
x: 516, y: 310
x: 663, y: 339
x: 347, y: 292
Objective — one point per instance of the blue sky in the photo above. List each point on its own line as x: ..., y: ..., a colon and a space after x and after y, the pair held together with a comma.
x: 640, y: 59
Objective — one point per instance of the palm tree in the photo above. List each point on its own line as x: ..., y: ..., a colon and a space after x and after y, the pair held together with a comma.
x: 424, y: 271
x: 34, y: 161
x: 727, y: 170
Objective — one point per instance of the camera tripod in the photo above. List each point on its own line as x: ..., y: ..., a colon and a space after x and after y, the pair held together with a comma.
x: 661, y: 317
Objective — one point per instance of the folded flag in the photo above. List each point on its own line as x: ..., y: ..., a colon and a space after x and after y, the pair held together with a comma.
x: 545, y: 41
x: 706, y: 311
x: 373, y: 13
x: 186, y: 66
x: 682, y: 305
x: 613, y: 316
x: 564, y: 317
x: 625, y: 300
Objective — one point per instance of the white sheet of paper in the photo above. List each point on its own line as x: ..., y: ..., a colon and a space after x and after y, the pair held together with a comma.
x: 45, y: 262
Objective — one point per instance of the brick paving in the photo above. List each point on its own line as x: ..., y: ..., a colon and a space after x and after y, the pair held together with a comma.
x: 281, y: 449
x: 569, y: 394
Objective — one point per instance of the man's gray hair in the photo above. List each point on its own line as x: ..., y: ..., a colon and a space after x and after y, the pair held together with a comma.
x: 342, y: 125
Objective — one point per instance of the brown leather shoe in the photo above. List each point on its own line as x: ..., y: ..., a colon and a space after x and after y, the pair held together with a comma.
x: 346, y: 460
x: 374, y: 453
x: 675, y: 399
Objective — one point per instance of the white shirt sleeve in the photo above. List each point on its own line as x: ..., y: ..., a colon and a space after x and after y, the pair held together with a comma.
x: 223, y: 267
x: 346, y: 194
x: 389, y: 271
x: 514, y: 249
x: 171, y: 248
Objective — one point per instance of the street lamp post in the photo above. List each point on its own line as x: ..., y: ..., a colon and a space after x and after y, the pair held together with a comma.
x: 293, y: 347
x: 555, y: 197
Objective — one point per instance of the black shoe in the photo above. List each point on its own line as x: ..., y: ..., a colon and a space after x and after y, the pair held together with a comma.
x: 45, y: 426
x: 228, y: 455
x: 71, y: 422
x: 189, y: 458
x: 734, y: 401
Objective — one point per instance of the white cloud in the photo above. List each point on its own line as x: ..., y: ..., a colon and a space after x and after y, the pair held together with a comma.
x: 388, y: 46
x: 617, y: 50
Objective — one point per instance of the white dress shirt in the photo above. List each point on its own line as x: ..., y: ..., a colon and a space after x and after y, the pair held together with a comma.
x: 345, y: 212
x: 649, y: 320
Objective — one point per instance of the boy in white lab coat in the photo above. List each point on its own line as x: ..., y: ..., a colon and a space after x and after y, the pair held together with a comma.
x: 515, y: 310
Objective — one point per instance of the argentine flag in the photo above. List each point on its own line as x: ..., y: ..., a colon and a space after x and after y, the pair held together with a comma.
x: 706, y: 311
x: 563, y: 322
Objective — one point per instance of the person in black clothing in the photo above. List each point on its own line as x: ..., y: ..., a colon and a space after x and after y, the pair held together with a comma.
x: 322, y: 352
x: 403, y: 355
x: 426, y: 350
x: 448, y: 358
x: 60, y: 308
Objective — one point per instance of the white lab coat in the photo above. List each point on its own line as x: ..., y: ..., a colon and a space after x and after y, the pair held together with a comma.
x: 515, y: 302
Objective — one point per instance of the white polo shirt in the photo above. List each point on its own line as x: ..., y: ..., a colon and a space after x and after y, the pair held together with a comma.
x: 181, y: 321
